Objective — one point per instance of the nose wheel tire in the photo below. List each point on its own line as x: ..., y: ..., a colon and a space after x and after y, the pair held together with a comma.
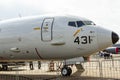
x: 66, y: 71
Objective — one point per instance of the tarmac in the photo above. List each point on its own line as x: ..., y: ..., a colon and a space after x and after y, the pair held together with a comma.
x: 50, y: 77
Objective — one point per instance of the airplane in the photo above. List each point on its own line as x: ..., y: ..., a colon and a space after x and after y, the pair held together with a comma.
x: 52, y: 37
x: 114, y: 49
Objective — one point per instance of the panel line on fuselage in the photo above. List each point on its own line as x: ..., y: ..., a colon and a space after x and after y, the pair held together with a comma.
x: 38, y: 53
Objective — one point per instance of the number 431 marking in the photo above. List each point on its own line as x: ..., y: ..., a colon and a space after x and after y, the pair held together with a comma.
x: 84, y: 40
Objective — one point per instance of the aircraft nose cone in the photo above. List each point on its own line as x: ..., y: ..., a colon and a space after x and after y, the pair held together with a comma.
x: 115, y: 37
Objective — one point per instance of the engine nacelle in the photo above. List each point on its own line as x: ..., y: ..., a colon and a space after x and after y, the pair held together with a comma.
x: 113, y: 50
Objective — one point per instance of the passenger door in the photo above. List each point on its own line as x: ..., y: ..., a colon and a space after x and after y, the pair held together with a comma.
x: 46, y: 29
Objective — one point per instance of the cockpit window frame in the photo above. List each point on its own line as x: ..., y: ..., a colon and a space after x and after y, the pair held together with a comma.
x: 81, y: 23
x: 76, y: 24
x: 69, y: 23
x: 86, y: 22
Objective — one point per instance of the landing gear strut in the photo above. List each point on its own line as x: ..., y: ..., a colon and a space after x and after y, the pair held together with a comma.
x: 31, y: 65
x: 39, y: 64
x: 66, y: 71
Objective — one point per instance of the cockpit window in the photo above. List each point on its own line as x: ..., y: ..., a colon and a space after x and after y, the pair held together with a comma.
x: 76, y: 23
x: 72, y: 23
x: 80, y: 23
x: 89, y: 23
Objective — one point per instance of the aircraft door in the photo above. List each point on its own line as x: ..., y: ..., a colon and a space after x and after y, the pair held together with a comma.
x: 46, y: 29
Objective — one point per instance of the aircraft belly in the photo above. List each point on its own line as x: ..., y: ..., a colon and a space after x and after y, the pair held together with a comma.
x: 63, y: 52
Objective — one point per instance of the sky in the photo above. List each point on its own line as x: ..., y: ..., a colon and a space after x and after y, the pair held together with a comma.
x: 105, y: 13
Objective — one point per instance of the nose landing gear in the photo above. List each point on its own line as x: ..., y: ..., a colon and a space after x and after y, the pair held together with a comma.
x: 66, y: 71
